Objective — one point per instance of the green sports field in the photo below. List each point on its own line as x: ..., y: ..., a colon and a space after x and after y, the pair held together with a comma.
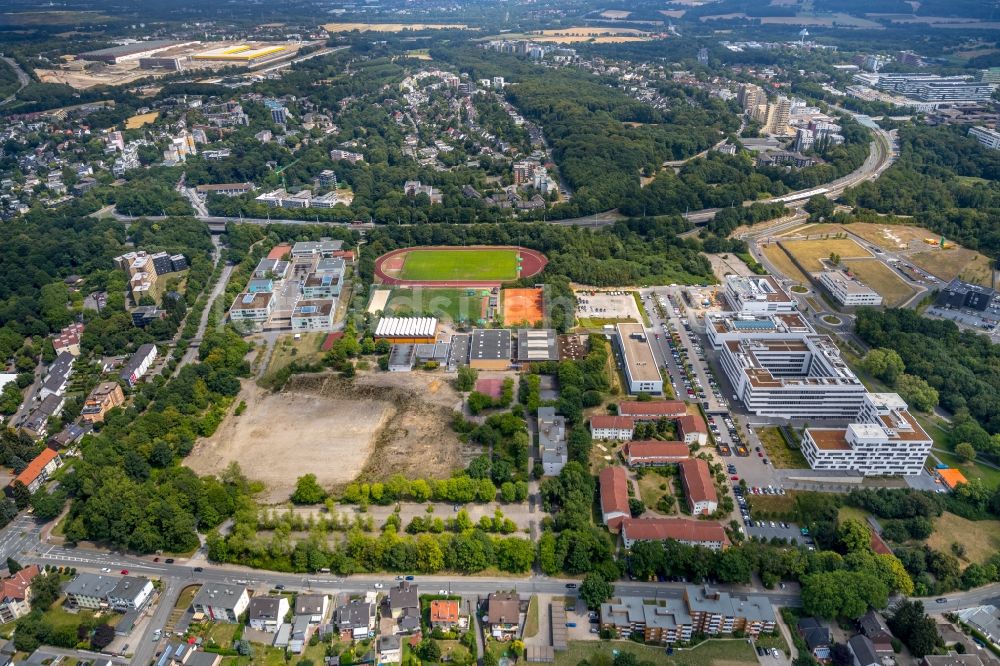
x: 453, y: 304
x: 444, y: 265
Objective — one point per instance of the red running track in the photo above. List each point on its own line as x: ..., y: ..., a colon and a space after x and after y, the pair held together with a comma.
x: 532, y: 263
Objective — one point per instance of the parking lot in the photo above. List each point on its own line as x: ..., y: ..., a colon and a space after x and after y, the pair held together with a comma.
x: 607, y: 305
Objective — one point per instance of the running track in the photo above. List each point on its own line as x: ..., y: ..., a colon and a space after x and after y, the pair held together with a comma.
x: 532, y: 263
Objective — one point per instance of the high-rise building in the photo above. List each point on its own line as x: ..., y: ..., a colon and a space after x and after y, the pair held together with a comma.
x: 778, y: 114
x: 751, y: 96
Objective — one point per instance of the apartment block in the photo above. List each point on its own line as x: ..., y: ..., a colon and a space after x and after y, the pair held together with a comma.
x: 663, y: 621
x: 699, y: 487
x: 619, y: 428
x: 990, y: 138
x: 654, y: 453
x: 703, y: 533
x: 714, y: 612
x: 885, y: 440
x: 105, y: 396
x: 614, y: 496
x: 552, y: 440
x: 138, y: 364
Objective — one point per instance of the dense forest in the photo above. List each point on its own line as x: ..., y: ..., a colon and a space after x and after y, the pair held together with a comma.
x: 947, y: 181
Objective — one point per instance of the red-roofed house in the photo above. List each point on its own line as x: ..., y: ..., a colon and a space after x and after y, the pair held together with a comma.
x: 654, y: 453
x: 614, y: 496
x: 652, y: 410
x: 692, y: 430
x: 15, y: 594
x: 691, y: 532
x: 698, y: 486
x: 444, y: 613
x: 38, y: 470
x: 68, y: 339
x: 612, y: 427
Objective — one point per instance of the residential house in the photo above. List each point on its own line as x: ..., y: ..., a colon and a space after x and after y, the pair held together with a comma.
x: 15, y: 594
x: 952, y: 659
x: 874, y: 627
x: 816, y: 637
x: 699, y: 488
x: 444, y: 613
x: 619, y: 428
x: 985, y: 619
x: 267, y: 613
x: 90, y: 591
x: 614, y: 496
x: 221, y: 602
x: 132, y: 593
x: 68, y: 340
x: 662, y: 621
x: 654, y: 453
x: 403, y: 603
x: 652, y: 410
x: 38, y: 470
x: 503, y: 615
x: 390, y: 650
x: 202, y: 658
x: 692, y: 430
x: 704, y: 533
x: 313, y: 606
x: 714, y: 612
x: 862, y: 651
x: 300, y: 635
x: 552, y: 440
x: 57, y: 375
x: 37, y: 424
x: 104, y: 397
x: 138, y: 365
x: 355, y: 619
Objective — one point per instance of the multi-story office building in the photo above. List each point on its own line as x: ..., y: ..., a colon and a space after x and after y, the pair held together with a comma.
x: 848, y: 290
x: 255, y: 308
x: 986, y: 136
x: 884, y: 440
x: 641, y: 371
x: 313, y: 315
x: 729, y: 326
x: 792, y: 376
x: 757, y: 295
x: 931, y: 87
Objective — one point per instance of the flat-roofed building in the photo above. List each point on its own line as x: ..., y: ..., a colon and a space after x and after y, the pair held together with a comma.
x: 757, y: 295
x: 619, y: 428
x: 685, y: 530
x: 699, y: 488
x: 728, y: 326
x: 225, y: 189
x: 849, y: 290
x: 714, y: 612
x: 552, y: 440
x: 641, y: 371
x: 654, y: 453
x: 652, y: 410
x: 252, y: 308
x: 320, y: 286
x: 323, y: 248
x: 990, y: 138
x: 614, y: 496
x: 885, y: 440
x: 536, y: 345
x: 490, y: 349
x: 271, y: 269
x: 792, y: 376
x: 406, y: 329
x: 663, y: 621
x: 313, y: 315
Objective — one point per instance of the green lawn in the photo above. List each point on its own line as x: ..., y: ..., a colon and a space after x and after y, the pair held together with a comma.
x: 775, y: 640
x: 780, y: 454
x: 531, y: 623
x: 460, y: 265
x: 452, y: 304
x: 58, y: 618
x: 711, y: 652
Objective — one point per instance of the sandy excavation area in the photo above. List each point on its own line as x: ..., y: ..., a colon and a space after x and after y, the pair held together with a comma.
x: 374, y: 427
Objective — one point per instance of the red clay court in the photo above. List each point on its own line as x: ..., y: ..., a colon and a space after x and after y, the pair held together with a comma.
x: 389, y: 266
x: 523, y: 305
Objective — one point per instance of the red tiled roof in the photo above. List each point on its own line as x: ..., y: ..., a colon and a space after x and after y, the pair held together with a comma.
x: 614, y: 490
x: 697, y: 480
x: 674, y: 451
x: 16, y: 586
x: 605, y: 421
x: 668, y: 408
x: 36, y: 466
x: 689, y: 423
x: 444, y: 610
x: 680, y: 529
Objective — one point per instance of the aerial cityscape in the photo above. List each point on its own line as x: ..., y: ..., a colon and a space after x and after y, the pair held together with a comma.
x: 584, y: 332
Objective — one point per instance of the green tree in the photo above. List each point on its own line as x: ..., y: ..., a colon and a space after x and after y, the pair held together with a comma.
x: 308, y: 490
x: 965, y: 451
x: 595, y: 590
x: 466, y: 379
x: 883, y: 364
x: 854, y: 535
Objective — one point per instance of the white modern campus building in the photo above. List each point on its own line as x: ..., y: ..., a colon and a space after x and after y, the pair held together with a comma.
x: 792, y: 376
x: 757, y: 295
x: 641, y: 370
x: 848, y: 290
x: 884, y: 440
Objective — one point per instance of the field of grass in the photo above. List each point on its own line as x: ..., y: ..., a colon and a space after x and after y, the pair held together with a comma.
x: 846, y: 512
x: 778, y: 452
x: 777, y: 257
x: 955, y: 262
x: 981, y: 538
x: 880, y: 277
x: 809, y: 252
x: 775, y: 640
x: 391, y: 27
x: 531, y: 621
x: 715, y: 652
x: 598, y: 322
x: 452, y: 304
x: 135, y: 122
x: 988, y: 475
x: 460, y: 265
x: 650, y: 491
x: 774, y: 503
x: 288, y: 349
x: 55, y: 18
x: 59, y: 618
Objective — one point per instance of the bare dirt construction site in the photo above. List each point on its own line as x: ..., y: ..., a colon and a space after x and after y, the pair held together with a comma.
x: 339, y: 430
